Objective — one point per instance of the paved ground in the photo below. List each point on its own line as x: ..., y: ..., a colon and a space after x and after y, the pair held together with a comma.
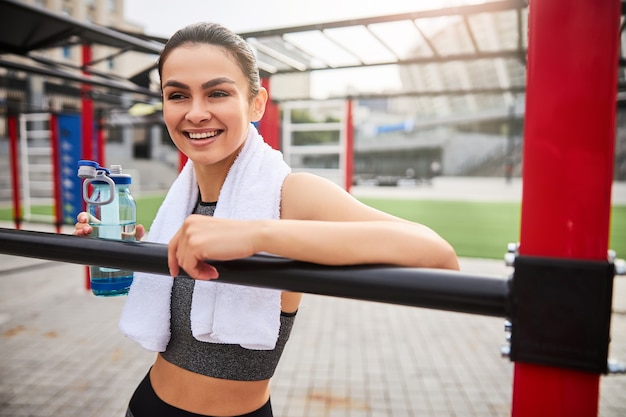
x: 62, y: 354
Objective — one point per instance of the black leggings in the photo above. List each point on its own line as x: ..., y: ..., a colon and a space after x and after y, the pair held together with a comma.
x: 146, y: 403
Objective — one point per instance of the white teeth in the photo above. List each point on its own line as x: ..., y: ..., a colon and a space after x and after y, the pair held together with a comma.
x: 202, y: 135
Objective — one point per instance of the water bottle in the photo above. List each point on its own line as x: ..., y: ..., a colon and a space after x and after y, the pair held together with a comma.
x: 112, y: 215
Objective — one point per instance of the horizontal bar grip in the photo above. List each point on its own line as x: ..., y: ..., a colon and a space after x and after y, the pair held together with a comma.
x: 417, y: 287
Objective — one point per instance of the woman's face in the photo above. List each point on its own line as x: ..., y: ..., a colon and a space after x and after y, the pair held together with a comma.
x: 206, y: 104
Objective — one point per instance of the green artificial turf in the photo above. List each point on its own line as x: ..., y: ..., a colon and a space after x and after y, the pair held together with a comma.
x: 481, y: 229
x: 474, y: 229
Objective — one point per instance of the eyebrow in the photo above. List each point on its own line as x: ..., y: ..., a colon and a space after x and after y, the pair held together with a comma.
x: 206, y: 85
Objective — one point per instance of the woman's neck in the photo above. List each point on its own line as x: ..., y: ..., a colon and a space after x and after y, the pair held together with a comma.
x: 211, y: 177
x: 210, y: 182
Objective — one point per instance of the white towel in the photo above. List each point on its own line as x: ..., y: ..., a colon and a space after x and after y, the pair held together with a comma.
x: 220, y: 312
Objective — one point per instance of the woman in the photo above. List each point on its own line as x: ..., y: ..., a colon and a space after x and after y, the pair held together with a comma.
x: 211, y: 94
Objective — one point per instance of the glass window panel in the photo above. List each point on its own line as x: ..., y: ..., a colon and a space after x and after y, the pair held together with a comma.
x: 495, y: 31
x: 315, y: 138
x: 362, y: 43
x: 447, y: 34
x: 316, y: 44
x: 315, y: 161
x: 401, y: 37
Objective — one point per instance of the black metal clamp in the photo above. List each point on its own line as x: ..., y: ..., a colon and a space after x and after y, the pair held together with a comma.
x: 560, y: 312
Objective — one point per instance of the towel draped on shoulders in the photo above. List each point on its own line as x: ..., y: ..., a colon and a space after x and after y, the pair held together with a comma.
x: 220, y: 312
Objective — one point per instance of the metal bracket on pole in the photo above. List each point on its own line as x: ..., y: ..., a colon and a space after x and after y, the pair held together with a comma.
x: 561, y: 312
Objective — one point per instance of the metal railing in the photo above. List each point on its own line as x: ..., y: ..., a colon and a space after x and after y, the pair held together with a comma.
x: 418, y: 287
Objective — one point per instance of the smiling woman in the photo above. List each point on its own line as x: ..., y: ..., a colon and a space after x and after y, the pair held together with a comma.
x: 220, y: 344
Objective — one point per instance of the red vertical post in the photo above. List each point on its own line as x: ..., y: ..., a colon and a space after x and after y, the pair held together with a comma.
x: 269, y: 125
x: 182, y: 160
x: 569, y: 137
x: 15, y: 170
x: 87, y: 108
x: 101, y: 141
x: 349, y: 151
x: 56, y: 173
x: 86, y: 125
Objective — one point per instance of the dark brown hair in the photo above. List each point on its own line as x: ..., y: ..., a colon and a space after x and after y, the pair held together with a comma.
x: 218, y: 35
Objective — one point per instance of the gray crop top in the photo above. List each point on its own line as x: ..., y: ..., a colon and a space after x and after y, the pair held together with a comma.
x: 226, y: 361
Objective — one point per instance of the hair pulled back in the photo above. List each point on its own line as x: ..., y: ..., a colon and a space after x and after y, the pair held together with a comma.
x: 217, y: 35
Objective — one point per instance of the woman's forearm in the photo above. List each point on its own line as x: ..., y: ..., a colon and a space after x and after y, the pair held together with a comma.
x: 351, y: 243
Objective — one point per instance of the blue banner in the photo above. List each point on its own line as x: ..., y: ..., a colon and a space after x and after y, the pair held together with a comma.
x: 69, y: 135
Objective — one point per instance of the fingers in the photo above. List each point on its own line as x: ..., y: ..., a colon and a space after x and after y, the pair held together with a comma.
x: 204, y: 271
x: 82, y: 227
x: 179, y: 256
x: 172, y: 259
x: 140, y: 232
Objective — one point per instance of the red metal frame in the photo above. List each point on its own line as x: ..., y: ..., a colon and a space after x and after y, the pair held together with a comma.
x: 87, y: 109
x: 101, y: 142
x: 349, y: 151
x: 86, y: 127
x: 182, y: 160
x: 269, y: 125
x: 56, y: 172
x: 569, y: 138
x: 15, y: 170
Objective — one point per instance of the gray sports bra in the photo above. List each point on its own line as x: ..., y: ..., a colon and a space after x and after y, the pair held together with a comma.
x: 217, y: 360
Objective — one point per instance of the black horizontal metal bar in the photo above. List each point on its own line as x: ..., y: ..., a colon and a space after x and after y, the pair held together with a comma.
x: 417, y: 287
x: 50, y: 71
x: 517, y: 54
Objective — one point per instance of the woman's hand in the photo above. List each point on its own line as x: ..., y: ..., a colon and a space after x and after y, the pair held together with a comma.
x: 82, y: 227
x: 202, y: 237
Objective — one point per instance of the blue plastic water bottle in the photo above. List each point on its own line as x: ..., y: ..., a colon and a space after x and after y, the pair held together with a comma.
x: 112, y: 215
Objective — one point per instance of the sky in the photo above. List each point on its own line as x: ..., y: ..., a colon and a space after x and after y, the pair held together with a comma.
x: 164, y: 17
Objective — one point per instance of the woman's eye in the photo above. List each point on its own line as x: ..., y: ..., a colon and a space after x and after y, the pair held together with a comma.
x: 218, y: 94
x: 175, y: 96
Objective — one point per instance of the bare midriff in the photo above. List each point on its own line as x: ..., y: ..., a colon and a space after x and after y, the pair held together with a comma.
x: 203, y: 394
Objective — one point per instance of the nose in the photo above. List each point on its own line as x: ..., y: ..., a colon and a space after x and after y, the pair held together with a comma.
x: 198, y: 112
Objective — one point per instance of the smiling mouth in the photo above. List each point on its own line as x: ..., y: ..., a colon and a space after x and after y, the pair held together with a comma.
x: 202, y: 135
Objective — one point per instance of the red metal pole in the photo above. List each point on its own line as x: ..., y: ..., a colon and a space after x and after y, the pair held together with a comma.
x: 101, y: 143
x: 269, y: 125
x: 86, y: 126
x: 569, y: 137
x: 56, y: 173
x: 15, y: 168
x: 182, y: 160
x: 87, y: 109
x: 349, y: 151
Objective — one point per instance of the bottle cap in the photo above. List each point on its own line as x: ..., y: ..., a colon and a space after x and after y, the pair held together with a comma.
x: 118, y: 177
x: 115, y: 173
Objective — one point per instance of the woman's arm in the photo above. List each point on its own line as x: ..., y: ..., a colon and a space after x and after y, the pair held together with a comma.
x: 365, y: 234
x: 356, y: 242
x: 320, y: 223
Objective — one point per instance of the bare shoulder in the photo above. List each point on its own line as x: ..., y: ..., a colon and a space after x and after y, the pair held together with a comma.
x: 306, y: 196
x: 298, y: 183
